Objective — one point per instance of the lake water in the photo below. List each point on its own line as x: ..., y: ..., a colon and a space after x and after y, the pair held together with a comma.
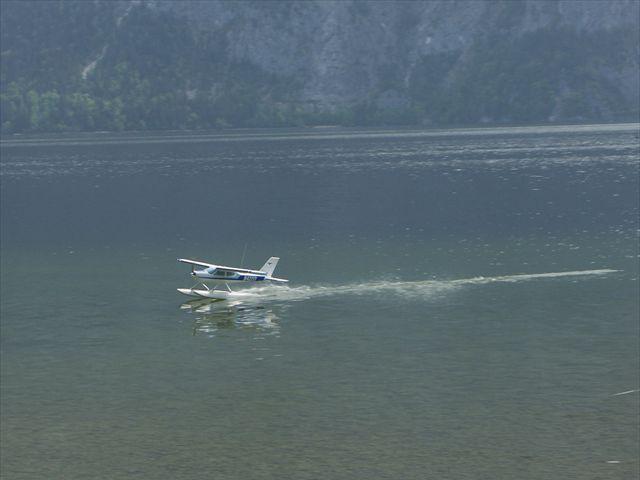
x: 463, y: 304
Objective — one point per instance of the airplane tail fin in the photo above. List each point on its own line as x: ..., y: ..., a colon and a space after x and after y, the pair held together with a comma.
x: 270, y: 266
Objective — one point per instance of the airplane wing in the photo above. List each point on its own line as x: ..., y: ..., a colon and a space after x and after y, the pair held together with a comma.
x: 220, y: 268
x: 195, y: 262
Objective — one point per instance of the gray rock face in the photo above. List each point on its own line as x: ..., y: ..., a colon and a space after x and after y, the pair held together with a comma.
x: 343, y: 52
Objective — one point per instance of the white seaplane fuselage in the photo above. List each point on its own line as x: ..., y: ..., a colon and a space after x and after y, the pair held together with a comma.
x: 218, y: 276
x: 212, y: 277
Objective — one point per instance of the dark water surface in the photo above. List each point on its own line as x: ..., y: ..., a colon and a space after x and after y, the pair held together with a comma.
x: 463, y: 305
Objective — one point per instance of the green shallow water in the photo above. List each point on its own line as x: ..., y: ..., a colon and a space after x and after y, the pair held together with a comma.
x: 463, y: 304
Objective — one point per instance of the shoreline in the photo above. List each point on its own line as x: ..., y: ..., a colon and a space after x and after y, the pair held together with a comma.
x: 315, y: 132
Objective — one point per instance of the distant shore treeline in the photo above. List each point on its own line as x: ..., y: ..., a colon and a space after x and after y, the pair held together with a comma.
x: 27, y: 110
x: 155, y: 72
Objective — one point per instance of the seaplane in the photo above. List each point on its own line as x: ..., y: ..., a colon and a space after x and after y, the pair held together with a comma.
x: 212, y: 278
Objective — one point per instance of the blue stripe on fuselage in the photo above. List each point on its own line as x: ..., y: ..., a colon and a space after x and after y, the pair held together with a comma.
x: 239, y: 278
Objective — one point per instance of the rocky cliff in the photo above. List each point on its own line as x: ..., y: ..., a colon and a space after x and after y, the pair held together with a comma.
x: 206, y: 63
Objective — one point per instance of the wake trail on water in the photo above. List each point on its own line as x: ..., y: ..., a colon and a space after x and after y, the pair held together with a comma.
x: 407, y: 289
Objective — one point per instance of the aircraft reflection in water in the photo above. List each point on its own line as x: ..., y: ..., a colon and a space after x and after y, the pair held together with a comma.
x: 212, y: 316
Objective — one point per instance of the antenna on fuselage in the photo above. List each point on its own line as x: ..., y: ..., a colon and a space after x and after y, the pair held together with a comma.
x: 244, y: 252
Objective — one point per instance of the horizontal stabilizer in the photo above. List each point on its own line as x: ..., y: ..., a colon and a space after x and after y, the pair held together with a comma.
x: 278, y: 280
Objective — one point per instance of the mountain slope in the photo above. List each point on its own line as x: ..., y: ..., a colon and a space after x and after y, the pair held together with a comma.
x: 199, y: 64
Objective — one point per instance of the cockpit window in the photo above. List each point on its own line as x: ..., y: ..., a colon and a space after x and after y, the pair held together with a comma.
x: 222, y: 273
